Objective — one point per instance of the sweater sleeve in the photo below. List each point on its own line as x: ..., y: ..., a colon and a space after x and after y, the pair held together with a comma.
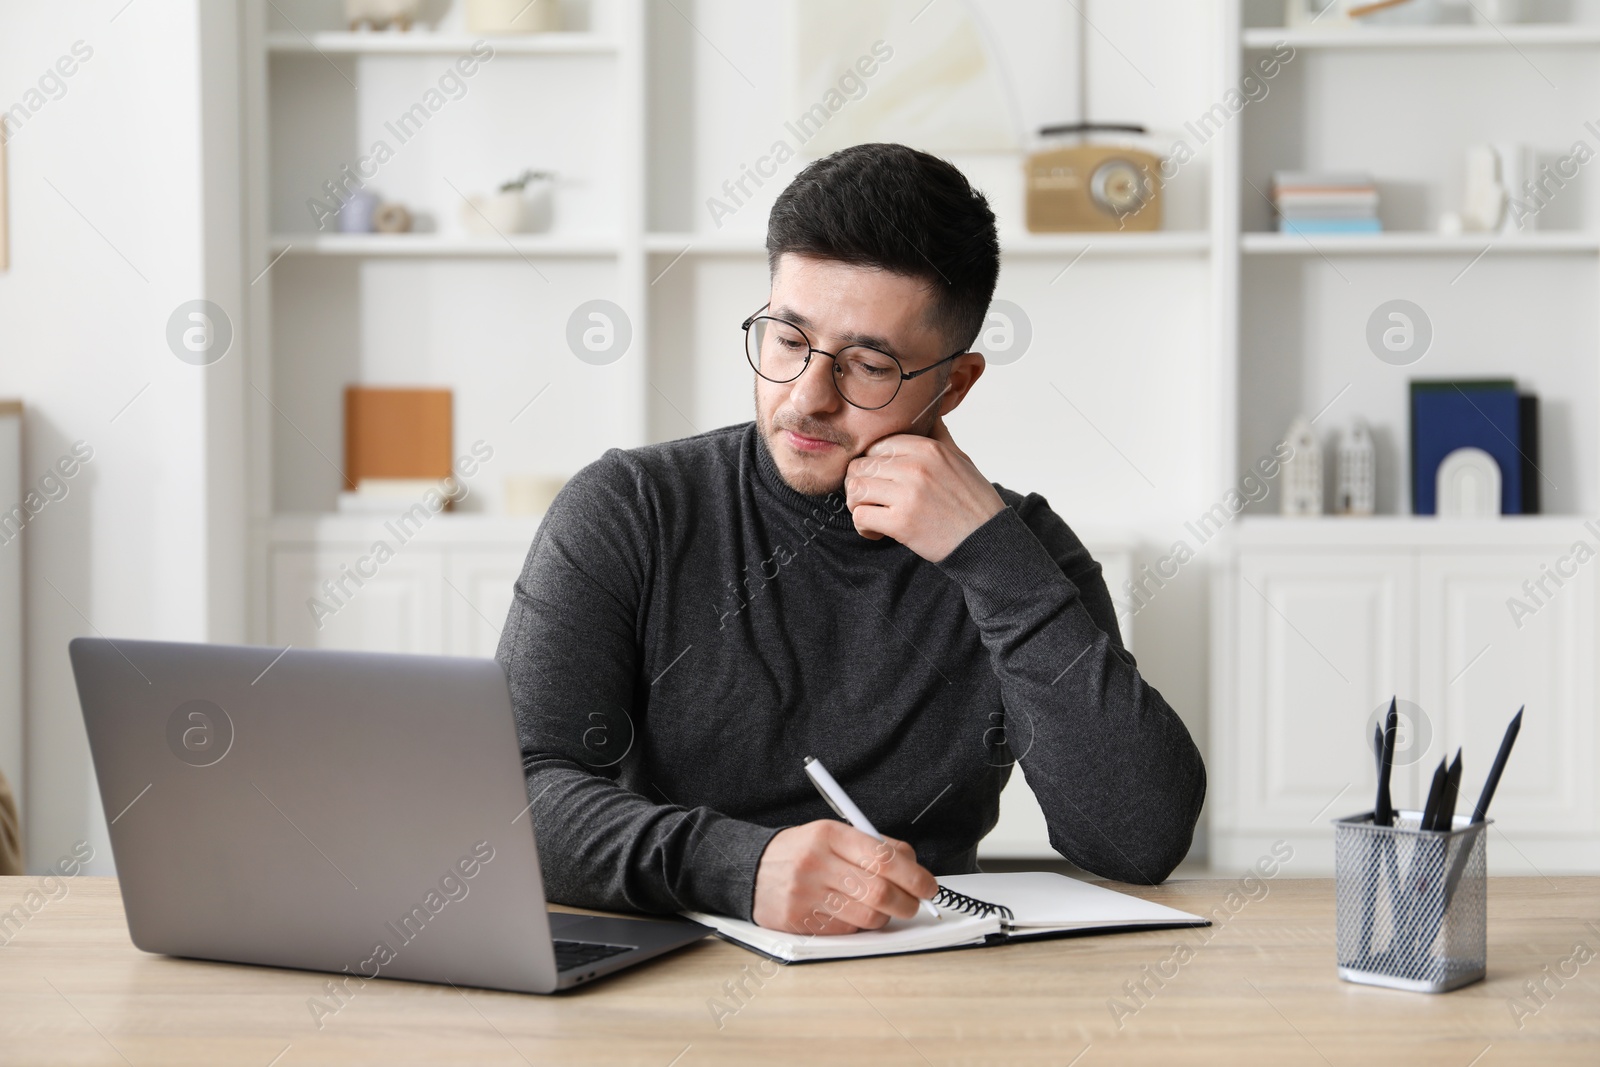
x: 1113, y: 767
x: 571, y: 650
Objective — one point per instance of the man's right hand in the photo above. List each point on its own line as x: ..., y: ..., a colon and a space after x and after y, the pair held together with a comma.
x: 826, y: 877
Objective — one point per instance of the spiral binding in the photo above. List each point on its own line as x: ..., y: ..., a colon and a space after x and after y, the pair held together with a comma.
x: 949, y: 898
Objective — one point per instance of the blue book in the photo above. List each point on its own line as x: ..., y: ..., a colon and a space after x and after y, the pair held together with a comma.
x: 1314, y: 227
x: 1448, y: 415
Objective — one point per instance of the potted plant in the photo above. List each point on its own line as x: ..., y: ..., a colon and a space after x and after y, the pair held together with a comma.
x: 522, y: 205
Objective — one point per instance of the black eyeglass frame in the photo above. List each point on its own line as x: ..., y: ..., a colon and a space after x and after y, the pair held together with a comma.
x: 812, y: 350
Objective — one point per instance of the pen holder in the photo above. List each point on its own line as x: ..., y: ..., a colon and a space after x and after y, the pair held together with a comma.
x: 1412, y: 904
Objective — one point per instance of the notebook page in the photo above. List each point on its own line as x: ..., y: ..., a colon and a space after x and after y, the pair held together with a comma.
x: 897, y: 935
x: 1040, y: 899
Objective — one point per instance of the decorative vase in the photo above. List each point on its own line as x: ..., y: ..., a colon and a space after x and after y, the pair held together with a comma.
x: 513, y: 16
x: 380, y: 13
x: 497, y: 213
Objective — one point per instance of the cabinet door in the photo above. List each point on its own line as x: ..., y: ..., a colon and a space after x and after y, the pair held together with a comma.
x: 1323, y: 639
x: 1481, y: 661
x: 478, y: 597
x: 396, y: 610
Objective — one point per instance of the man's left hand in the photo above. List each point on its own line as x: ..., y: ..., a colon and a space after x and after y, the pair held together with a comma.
x: 922, y: 491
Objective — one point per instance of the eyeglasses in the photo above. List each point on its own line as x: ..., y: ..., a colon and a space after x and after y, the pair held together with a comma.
x: 866, y: 378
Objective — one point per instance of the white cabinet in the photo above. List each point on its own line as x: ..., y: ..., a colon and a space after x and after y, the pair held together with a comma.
x: 1319, y: 622
x: 478, y: 591
x: 445, y: 591
x: 1481, y: 661
x: 317, y: 603
x: 1323, y: 641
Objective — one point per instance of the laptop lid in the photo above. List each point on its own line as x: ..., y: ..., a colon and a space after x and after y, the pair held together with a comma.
x: 340, y: 811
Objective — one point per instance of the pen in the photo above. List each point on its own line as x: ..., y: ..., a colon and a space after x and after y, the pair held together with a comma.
x: 846, y: 809
x: 1383, y: 811
x: 1493, y: 781
x: 1444, y: 820
x: 1481, y: 811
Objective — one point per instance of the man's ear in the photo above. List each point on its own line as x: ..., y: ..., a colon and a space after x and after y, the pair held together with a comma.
x: 965, y: 371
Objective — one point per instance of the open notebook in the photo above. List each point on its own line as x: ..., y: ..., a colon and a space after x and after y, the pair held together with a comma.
x: 977, y: 909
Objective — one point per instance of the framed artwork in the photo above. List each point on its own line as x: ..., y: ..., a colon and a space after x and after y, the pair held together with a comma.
x: 951, y: 77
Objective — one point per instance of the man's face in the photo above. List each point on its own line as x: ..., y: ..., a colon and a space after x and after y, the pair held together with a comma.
x: 812, y: 432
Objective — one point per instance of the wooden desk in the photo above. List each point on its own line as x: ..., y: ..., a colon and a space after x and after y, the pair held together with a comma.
x: 1262, y: 989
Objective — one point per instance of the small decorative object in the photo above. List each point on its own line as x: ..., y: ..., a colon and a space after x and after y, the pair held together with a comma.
x: 1078, y: 185
x: 522, y: 205
x: 380, y: 14
x: 391, y: 218
x: 1468, y: 485
x: 1302, y: 472
x: 1518, y: 166
x: 1483, y: 195
x: 513, y: 16
x: 1357, y: 492
x: 356, y: 215
x: 528, y: 494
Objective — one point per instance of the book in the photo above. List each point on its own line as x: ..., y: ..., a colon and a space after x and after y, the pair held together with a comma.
x: 1447, y: 415
x: 396, y: 433
x: 1312, y: 227
x: 1528, y: 445
x: 977, y: 910
x: 1291, y: 179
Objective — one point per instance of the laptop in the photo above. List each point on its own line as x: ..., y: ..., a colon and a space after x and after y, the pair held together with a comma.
x: 359, y: 813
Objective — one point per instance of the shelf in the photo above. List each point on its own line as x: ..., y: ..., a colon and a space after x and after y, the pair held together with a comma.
x: 1175, y: 242
x: 424, y: 43
x: 314, y: 529
x: 1402, y: 243
x: 707, y: 244
x: 1554, y: 34
x: 1378, y: 531
x: 1169, y: 242
x: 443, y: 245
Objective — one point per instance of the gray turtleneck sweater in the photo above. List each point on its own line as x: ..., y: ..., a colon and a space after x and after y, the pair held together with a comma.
x: 688, y: 628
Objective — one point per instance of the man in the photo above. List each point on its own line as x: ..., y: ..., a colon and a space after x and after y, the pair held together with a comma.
x: 835, y: 580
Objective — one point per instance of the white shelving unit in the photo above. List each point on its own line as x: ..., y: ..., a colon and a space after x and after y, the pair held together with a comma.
x: 645, y: 115
x: 426, y: 42
x: 1161, y: 364
x: 1552, y: 35
x: 430, y: 244
x: 1316, y: 622
x: 1380, y: 244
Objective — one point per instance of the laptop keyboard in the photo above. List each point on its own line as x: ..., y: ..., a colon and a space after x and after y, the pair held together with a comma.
x: 573, y: 954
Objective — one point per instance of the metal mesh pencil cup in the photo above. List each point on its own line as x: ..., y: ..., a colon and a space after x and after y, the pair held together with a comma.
x: 1411, y: 904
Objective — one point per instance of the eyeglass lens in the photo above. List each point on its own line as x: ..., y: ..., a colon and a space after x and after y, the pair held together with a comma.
x: 778, y: 352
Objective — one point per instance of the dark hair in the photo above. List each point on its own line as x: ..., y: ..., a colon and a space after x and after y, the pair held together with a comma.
x: 900, y: 210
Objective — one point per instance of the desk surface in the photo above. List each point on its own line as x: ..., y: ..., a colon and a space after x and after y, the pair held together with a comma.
x: 1259, y: 984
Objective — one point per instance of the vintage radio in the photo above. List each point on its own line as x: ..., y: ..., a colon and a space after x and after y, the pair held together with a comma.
x: 1086, y: 186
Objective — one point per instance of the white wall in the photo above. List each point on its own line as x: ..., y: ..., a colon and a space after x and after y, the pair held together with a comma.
x: 107, y: 234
